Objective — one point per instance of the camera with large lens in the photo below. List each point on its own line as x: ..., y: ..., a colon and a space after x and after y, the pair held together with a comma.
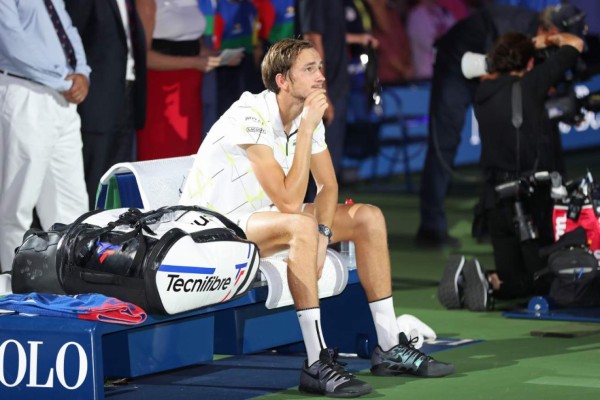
x: 515, y: 191
x: 526, y: 230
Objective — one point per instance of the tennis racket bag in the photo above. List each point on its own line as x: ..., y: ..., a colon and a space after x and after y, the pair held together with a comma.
x: 167, y: 261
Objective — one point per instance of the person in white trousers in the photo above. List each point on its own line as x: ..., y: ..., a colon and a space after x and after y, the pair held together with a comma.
x: 43, y: 76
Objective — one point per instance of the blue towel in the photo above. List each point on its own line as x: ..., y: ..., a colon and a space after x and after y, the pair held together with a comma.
x: 91, y: 306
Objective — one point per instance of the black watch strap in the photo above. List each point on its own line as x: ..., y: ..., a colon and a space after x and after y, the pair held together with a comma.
x: 325, y: 231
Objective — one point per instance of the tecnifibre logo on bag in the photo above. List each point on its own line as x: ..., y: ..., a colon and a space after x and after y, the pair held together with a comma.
x: 194, y: 275
x: 209, y: 282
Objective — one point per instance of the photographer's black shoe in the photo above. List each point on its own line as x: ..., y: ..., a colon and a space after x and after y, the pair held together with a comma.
x: 435, y: 240
x: 450, y: 289
x: 476, y: 288
x: 328, y: 377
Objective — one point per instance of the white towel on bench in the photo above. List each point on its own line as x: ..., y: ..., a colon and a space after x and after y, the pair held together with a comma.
x: 159, y: 181
x: 274, y: 269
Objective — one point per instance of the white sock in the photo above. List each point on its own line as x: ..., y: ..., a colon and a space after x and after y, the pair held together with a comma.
x: 310, y: 324
x: 386, y: 325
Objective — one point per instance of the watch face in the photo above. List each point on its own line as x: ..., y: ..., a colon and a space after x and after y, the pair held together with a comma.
x: 324, y: 229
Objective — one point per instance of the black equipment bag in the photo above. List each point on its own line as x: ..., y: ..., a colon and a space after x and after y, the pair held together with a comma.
x: 576, y: 280
x: 167, y: 261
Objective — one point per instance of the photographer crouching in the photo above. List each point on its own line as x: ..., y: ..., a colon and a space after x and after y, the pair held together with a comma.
x: 517, y: 140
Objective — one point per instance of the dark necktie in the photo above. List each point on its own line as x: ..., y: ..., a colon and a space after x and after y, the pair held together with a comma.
x: 131, y: 19
x: 62, y: 35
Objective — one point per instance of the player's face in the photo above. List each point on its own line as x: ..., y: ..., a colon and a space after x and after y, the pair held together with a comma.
x: 307, y: 73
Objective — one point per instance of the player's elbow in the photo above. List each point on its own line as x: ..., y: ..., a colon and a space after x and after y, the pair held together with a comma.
x: 290, y: 207
x: 330, y: 187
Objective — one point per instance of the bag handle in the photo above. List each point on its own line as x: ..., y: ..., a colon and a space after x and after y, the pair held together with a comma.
x: 133, y: 217
x: 226, y: 221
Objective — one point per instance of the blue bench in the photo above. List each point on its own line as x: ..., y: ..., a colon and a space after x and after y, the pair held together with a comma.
x: 54, y: 358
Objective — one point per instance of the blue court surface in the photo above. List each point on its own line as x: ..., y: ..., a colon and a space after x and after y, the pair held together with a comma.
x: 240, y: 377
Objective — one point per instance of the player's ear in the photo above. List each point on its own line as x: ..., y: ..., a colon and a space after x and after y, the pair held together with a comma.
x: 282, y: 81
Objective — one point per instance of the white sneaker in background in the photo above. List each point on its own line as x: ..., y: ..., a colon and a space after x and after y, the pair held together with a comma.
x: 413, y: 328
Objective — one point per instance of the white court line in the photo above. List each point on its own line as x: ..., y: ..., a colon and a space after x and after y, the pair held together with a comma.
x: 567, y: 381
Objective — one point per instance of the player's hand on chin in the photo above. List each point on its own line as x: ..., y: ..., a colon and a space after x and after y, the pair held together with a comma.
x: 314, y: 107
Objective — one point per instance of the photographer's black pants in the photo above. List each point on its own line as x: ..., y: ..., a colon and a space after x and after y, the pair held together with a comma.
x: 517, y: 261
x: 451, y: 94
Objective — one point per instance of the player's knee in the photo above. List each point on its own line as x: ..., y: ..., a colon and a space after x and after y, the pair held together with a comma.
x: 304, y: 229
x: 370, y: 218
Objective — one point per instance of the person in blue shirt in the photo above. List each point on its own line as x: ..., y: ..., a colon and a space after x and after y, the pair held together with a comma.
x: 43, y: 76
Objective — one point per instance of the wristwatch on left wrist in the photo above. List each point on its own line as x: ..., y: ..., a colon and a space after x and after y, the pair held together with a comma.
x: 325, y: 231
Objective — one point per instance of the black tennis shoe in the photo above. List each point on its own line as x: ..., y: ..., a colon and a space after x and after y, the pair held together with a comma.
x: 328, y: 377
x: 450, y: 288
x: 477, y: 287
x: 404, y: 359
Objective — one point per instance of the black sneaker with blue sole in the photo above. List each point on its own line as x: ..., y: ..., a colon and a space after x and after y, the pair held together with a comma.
x: 404, y: 359
x: 328, y: 377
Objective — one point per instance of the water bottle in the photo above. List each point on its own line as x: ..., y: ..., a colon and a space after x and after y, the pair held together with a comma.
x: 347, y: 248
